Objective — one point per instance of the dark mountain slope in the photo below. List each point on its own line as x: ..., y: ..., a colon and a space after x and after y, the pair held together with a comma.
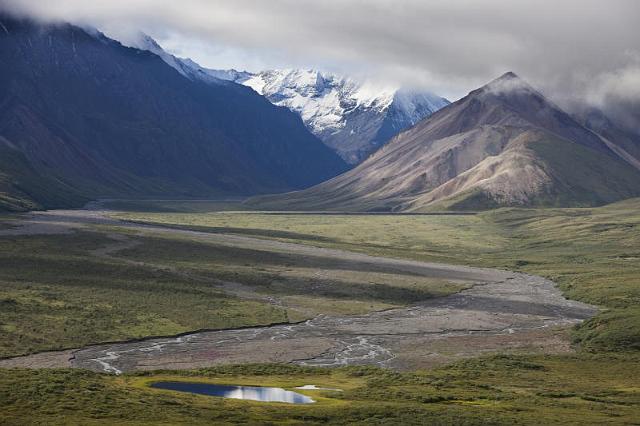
x: 108, y: 120
x: 21, y: 185
x: 502, y: 145
x: 623, y: 141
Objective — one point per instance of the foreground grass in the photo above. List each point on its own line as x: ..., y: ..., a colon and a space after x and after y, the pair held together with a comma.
x: 494, y: 390
x: 593, y: 253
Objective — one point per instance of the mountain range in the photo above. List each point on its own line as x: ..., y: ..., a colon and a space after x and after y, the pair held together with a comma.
x: 504, y: 144
x: 352, y: 117
x: 82, y: 116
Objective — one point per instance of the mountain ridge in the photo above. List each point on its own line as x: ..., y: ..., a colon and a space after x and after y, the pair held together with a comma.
x: 353, y: 118
x: 495, y: 147
x: 109, y: 120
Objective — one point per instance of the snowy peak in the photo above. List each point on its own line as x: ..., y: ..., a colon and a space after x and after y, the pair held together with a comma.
x: 308, y: 83
x: 417, y: 105
x: 316, y: 87
x: 322, y: 100
x: 350, y: 116
x: 144, y: 42
x: 230, y: 75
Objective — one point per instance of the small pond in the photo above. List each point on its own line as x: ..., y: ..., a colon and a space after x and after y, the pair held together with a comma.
x: 252, y: 393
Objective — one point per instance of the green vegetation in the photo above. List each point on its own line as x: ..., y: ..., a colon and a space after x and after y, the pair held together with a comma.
x: 593, y: 253
x: 70, y: 290
x: 55, y: 294
x: 283, y: 274
x: 592, y: 180
x: 493, y: 390
x: 168, y: 206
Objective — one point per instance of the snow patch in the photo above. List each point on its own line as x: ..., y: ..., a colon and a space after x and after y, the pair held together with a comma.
x: 314, y: 387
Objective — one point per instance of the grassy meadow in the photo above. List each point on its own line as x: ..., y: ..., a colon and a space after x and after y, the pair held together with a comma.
x: 63, y: 291
x: 492, y: 390
x: 55, y: 294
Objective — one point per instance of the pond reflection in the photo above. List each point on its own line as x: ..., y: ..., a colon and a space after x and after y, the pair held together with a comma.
x: 252, y: 393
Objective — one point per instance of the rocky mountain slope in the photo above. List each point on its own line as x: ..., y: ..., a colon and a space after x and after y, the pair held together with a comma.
x: 88, y: 117
x: 504, y: 144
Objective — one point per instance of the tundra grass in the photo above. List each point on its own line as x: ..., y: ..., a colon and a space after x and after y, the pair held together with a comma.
x: 62, y: 291
x: 54, y: 294
x: 593, y: 253
x: 167, y: 206
x: 494, y: 390
x: 288, y: 274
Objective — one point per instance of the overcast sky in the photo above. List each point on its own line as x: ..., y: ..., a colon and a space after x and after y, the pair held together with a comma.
x: 583, y: 49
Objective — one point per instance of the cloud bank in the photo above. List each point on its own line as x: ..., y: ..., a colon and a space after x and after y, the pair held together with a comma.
x: 572, y: 49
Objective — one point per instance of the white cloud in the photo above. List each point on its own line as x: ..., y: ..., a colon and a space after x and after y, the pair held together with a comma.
x: 451, y: 46
x: 622, y: 84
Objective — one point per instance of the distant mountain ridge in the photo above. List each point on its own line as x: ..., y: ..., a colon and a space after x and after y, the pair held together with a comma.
x: 354, y: 118
x: 82, y: 116
x: 504, y: 144
x: 351, y: 117
x: 185, y: 66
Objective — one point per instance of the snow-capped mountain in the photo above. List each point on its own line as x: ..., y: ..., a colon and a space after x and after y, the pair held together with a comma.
x: 502, y: 145
x: 354, y: 118
x: 322, y: 100
x: 70, y: 131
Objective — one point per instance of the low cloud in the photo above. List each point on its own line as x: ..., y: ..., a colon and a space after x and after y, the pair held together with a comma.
x: 570, y: 49
x: 618, y: 93
x: 507, y: 84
